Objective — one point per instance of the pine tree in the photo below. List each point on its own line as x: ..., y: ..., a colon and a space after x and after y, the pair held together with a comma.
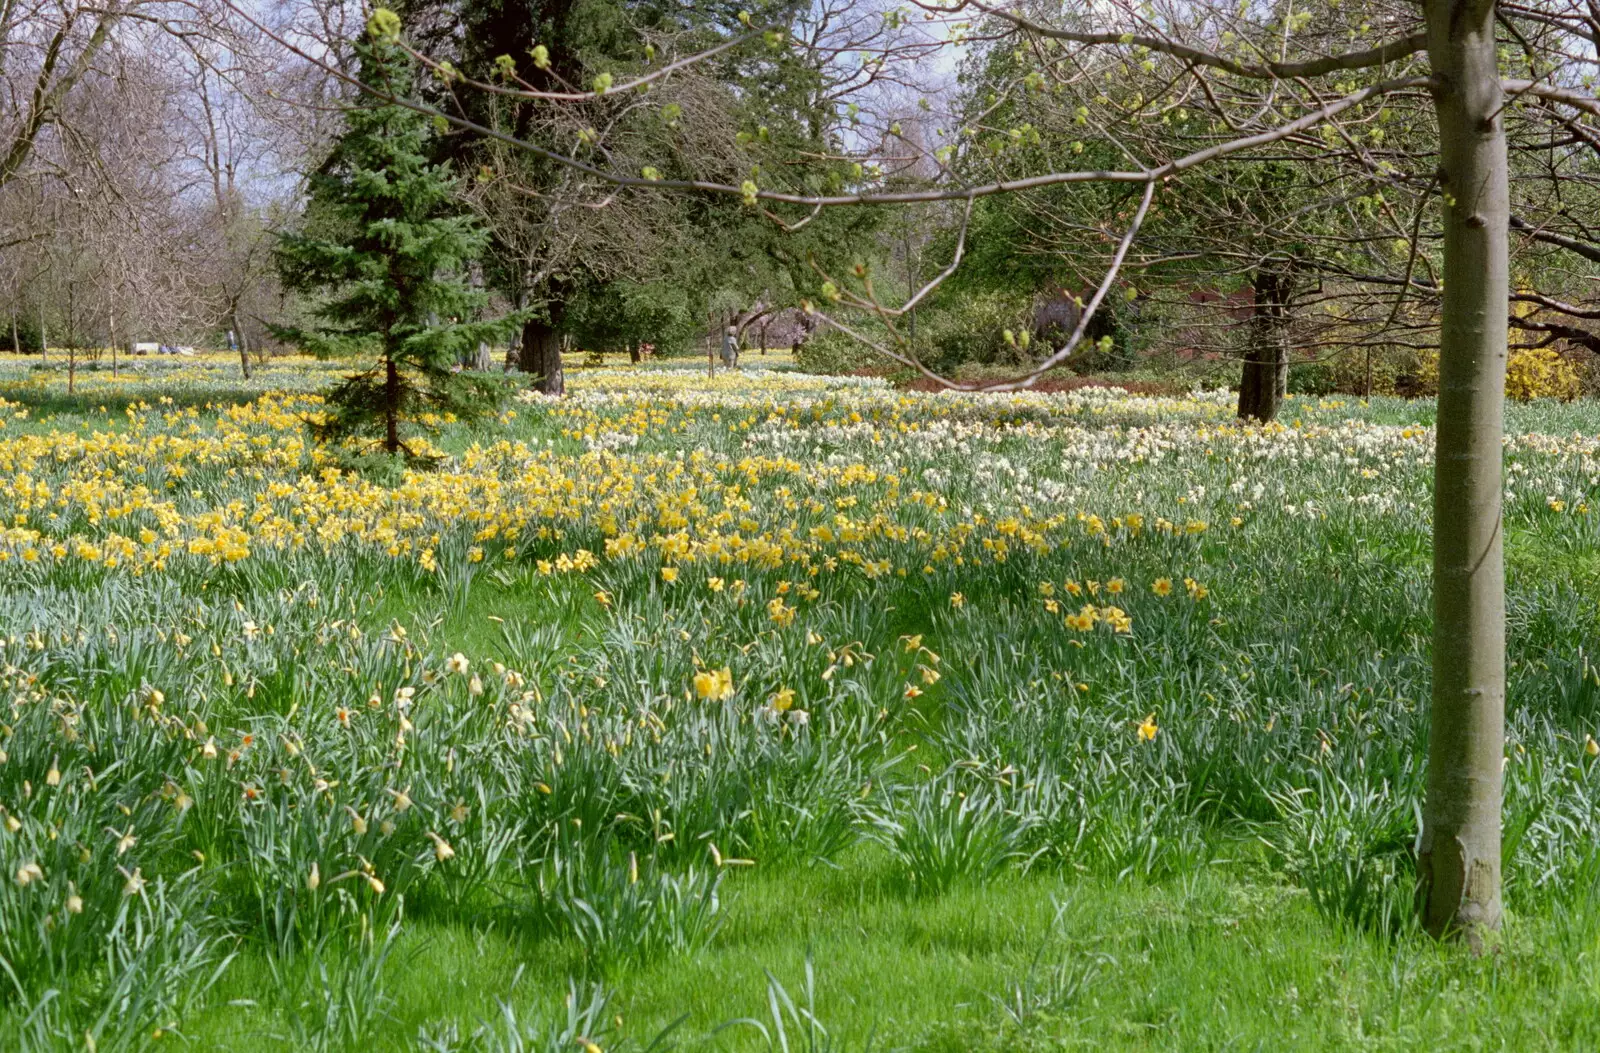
x: 386, y: 257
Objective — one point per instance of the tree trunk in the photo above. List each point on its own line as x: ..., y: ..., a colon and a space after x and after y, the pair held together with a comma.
x: 633, y: 354
x: 1266, y: 364
x: 514, y: 344
x: 391, y: 406
x: 244, y: 346
x: 808, y: 326
x: 1458, y: 862
x: 16, y: 342
x: 540, y: 352
x: 44, y: 345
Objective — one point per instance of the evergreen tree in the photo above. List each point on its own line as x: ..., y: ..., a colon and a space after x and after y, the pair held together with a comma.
x: 387, y: 255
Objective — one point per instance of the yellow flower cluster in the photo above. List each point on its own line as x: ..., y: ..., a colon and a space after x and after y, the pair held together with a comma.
x: 162, y: 484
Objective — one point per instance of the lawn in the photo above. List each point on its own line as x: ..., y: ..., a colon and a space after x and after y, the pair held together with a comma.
x: 765, y: 711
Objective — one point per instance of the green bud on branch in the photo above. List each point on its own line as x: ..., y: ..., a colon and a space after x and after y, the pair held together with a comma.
x: 384, y: 25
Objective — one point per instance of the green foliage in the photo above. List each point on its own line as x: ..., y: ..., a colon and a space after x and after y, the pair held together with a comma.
x: 1377, y: 370
x: 952, y: 829
x: 26, y: 335
x: 973, y: 328
x: 389, y: 268
x: 608, y: 316
x: 828, y: 351
x: 658, y: 267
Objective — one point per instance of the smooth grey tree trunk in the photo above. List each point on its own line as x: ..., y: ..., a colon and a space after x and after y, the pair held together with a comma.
x: 1458, y: 863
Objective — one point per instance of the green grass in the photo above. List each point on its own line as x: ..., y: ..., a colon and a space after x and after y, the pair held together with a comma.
x: 1000, y: 862
x: 1218, y: 960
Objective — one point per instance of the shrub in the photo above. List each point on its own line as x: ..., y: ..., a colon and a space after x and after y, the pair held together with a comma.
x: 1313, y: 378
x: 1364, y: 371
x: 973, y: 329
x: 1540, y: 373
x: 830, y: 351
x: 1531, y: 373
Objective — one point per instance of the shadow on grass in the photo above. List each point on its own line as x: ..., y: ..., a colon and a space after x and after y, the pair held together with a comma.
x: 54, y: 402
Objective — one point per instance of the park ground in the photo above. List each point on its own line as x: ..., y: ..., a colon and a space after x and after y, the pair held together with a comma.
x: 766, y: 711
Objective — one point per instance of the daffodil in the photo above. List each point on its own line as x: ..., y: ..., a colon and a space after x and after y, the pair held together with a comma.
x: 441, y: 848
x: 714, y: 685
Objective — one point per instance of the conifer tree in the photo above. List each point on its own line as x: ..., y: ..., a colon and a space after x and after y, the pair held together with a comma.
x: 386, y: 255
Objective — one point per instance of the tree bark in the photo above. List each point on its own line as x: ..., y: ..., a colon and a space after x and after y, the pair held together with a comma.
x: 540, y: 353
x: 1266, y: 364
x: 244, y: 347
x: 391, y: 406
x: 1458, y: 862
x: 514, y: 344
x: 808, y: 325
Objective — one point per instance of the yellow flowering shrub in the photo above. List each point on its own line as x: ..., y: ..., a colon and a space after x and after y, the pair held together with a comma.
x: 1427, y: 383
x: 1540, y: 373
x: 1531, y: 373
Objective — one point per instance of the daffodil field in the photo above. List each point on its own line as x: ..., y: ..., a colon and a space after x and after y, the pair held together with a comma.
x: 797, y: 712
